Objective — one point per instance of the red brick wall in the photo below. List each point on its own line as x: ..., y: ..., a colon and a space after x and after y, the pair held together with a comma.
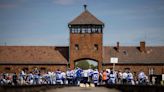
x: 158, y: 69
x: 18, y: 68
x: 87, y: 50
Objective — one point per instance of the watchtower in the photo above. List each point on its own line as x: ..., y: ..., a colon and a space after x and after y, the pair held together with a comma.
x: 86, y: 38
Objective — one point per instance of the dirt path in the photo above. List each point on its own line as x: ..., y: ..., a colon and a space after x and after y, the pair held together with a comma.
x: 79, y: 89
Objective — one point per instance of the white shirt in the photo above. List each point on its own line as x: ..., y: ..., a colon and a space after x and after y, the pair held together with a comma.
x: 124, y: 75
x: 85, y: 73
x: 130, y: 75
x: 63, y: 74
x: 141, y: 75
x: 120, y: 75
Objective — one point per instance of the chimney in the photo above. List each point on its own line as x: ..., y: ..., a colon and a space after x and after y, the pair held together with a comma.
x: 118, y: 46
x: 142, y: 46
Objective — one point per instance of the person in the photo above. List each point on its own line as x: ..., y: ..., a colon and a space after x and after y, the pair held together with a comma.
x: 147, y: 80
x: 141, y: 77
x: 78, y: 76
x: 135, y: 78
x: 112, y: 78
x: 85, y: 76
x: 9, y: 79
x: 4, y: 78
x: 124, y: 77
x: 50, y: 77
x: 104, y: 77
x: 22, y: 77
x: 90, y: 73
x: 95, y: 77
x: 36, y: 78
x: 107, y: 77
x: 100, y: 77
x: 130, y: 78
x: 30, y: 78
x: 14, y: 78
x: 45, y: 78
x: 69, y: 76
x: 119, y: 76
x: 58, y: 77
x: 63, y: 77
x: 54, y: 78
x: 73, y: 75
x: 40, y: 79
x: 153, y: 80
x: 1, y: 79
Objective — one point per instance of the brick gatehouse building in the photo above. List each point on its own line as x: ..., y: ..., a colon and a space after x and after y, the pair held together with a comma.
x: 86, y: 42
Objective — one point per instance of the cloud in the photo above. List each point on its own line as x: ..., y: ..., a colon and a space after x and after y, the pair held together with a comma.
x: 64, y: 2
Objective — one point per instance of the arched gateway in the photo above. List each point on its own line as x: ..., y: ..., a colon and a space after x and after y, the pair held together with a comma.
x: 86, y: 35
x: 86, y: 63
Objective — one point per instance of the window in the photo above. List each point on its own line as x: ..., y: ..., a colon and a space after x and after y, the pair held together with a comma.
x: 75, y: 31
x: 93, y: 30
x: 89, y: 30
x: 72, y: 31
x: 79, y: 30
x: 99, y: 30
x: 83, y: 31
x: 96, y: 30
x: 95, y: 46
x: 76, y: 46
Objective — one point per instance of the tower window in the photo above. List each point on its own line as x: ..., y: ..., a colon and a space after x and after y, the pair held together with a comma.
x: 72, y: 31
x: 96, y: 30
x: 76, y: 46
x: 83, y: 30
x: 99, y: 30
x: 96, y: 46
x: 89, y: 30
x: 93, y: 30
x: 79, y: 30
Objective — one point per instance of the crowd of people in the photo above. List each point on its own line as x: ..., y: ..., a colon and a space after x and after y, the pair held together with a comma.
x: 74, y: 77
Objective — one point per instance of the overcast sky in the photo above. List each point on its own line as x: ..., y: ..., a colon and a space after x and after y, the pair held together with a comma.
x: 44, y: 22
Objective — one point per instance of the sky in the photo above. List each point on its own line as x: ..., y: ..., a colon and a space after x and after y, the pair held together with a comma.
x: 45, y: 22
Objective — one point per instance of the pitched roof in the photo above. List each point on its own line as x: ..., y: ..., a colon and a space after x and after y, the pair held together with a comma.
x: 60, y: 55
x: 86, y: 18
x: 132, y: 55
x: 32, y: 55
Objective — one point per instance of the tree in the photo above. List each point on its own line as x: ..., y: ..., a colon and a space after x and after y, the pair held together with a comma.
x: 83, y: 64
x: 93, y: 66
